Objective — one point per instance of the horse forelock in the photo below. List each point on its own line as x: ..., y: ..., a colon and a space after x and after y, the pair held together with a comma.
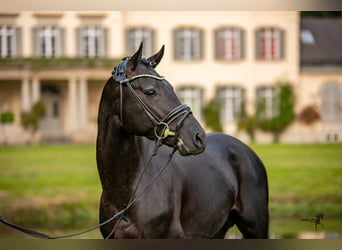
x: 120, y: 71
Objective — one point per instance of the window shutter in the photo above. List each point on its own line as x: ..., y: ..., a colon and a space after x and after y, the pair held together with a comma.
x: 127, y: 42
x: 78, y: 42
x: 282, y: 44
x: 153, y: 42
x: 217, y: 45
x: 175, y: 45
x: 242, y: 44
x: 35, y: 43
x: 61, y: 43
x: 201, y: 42
x: 258, y: 44
x: 104, y: 46
x: 18, y: 43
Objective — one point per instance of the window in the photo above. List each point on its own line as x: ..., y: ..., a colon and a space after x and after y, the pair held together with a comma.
x: 267, y: 102
x: 270, y: 44
x: 92, y: 42
x: 228, y: 44
x: 331, y: 95
x: 307, y: 37
x: 191, y: 96
x: 7, y: 41
x: 231, y: 99
x: 49, y: 41
x: 188, y: 44
x: 137, y: 35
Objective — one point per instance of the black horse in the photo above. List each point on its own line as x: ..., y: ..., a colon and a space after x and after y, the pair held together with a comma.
x: 211, y: 183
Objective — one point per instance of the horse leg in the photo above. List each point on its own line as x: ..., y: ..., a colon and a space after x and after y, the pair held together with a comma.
x: 252, y: 218
x: 222, y: 232
x: 252, y: 226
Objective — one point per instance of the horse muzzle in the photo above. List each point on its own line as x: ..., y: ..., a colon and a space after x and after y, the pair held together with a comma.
x: 199, y: 142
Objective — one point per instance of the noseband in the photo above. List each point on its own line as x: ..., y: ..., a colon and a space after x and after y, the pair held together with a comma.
x: 161, y: 126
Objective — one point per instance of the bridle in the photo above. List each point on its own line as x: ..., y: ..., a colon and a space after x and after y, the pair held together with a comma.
x: 161, y: 126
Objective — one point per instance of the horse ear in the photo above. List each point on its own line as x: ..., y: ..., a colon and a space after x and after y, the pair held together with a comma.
x: 134, y: 60
x: 155, y: 59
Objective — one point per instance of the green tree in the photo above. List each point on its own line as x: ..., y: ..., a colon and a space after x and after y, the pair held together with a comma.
x: 30, y: 119
x: 285, y: 115
x: 212, y: 115
x: 247, y: 122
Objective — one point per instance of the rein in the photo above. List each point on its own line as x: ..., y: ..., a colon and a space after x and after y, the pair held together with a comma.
x: 161, y: 131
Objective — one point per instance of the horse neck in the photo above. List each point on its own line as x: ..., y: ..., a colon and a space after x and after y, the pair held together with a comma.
x: 117, y: 155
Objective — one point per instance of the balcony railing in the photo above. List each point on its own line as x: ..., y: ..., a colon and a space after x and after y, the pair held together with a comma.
x: 59, y: 62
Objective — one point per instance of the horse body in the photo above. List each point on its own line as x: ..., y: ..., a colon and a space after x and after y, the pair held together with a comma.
x: 195, y: 197
x: 205, y: 189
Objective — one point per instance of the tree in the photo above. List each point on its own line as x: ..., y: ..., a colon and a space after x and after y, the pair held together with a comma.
x: 212, y: 115
x: 247, y: 122
x: 285, y: 115
x: 30, y: 119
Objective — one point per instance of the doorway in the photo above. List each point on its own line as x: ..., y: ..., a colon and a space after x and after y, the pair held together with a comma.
x: 51, y: 122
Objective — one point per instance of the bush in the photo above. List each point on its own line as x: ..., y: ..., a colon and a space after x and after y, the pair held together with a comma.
x: 309, y: 115
x: 30, y: 120
x: 7, y: 117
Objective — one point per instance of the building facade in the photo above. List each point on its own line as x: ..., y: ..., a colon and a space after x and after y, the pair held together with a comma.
x: 65, y: 58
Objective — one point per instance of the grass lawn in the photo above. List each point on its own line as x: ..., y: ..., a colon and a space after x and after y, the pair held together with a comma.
x: 303, y: 180
x: 56, y: 188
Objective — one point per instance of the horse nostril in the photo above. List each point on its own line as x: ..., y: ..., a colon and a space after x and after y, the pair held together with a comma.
x: 198, y: 141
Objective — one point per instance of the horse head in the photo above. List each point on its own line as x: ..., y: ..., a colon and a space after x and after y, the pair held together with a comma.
x: 149, y: 107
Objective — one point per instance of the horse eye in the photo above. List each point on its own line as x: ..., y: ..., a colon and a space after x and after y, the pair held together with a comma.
x: 149, y: 91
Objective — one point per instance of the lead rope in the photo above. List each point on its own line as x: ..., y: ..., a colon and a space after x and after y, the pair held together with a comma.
x: 134, y: 198
x: 156, y: 147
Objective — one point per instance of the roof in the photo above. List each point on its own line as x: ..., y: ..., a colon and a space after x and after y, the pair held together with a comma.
x: 321, y: 41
